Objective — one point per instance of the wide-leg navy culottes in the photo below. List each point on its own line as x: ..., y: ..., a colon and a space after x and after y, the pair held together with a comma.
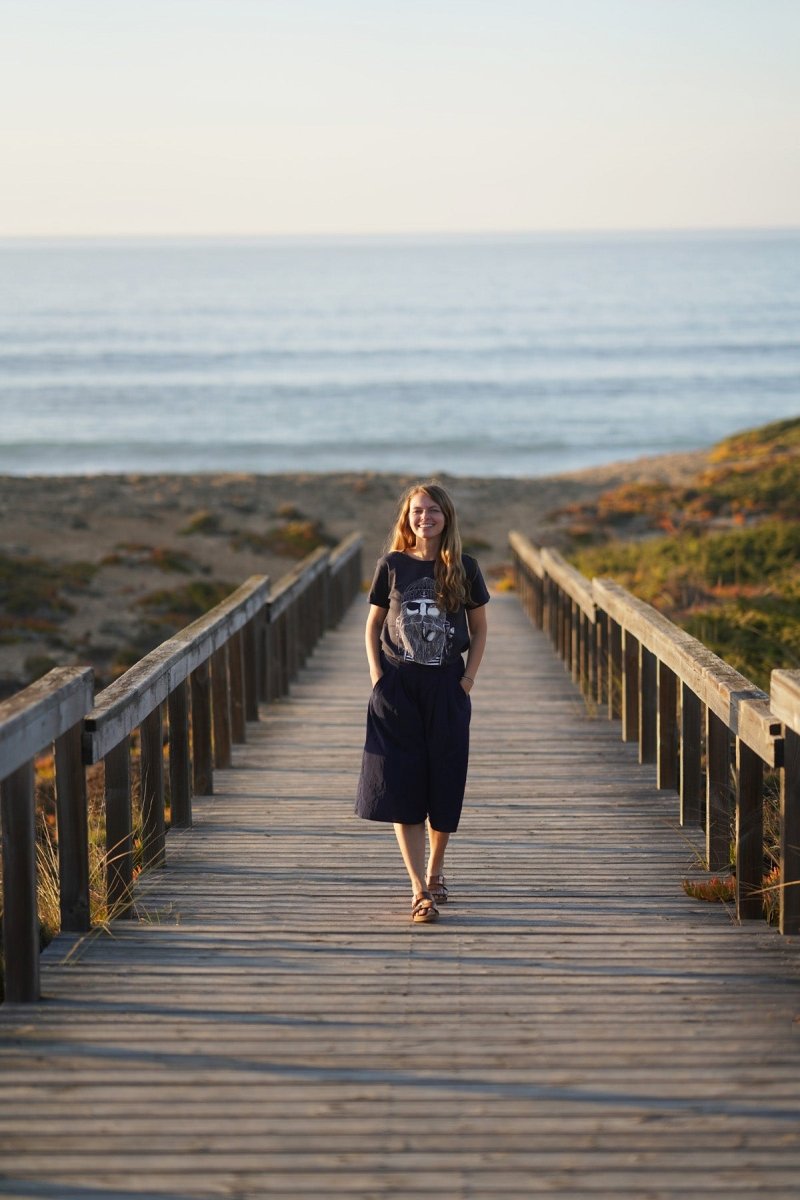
x: 417, y: 747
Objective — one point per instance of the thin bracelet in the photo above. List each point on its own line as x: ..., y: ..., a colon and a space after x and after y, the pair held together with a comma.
x: 471, y: 678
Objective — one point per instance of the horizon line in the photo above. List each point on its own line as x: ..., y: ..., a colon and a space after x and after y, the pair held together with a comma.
x: 399, y: 234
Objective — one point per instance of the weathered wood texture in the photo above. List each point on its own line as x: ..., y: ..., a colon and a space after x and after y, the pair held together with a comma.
x: 125, y: 703
x: 785, y: 699
x: 634, y: 667
x: 741, y: 706
x: 41, y: 713
x: 273, y: 1026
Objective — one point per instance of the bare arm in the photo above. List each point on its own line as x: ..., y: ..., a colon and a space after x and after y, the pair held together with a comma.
x: 372, y: 639
x: 476, y: 619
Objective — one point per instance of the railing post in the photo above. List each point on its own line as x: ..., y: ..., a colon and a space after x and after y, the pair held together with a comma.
x: 749, y: 832
x: 789, y: 911
x: 20, y: 917
x: 691, y: 746
x: 288, y: 645
x: 566, y: 628
x: 602, y: 672
x: 251, y: 669
x: 73, y: 832
x: 263, y: 635
x: 615, y: 670
x: 119, y: 831
x: 667, y: 776
x: 272, y: 667
x: 220, y: 701
x: 648, y: 705
x: 180, y: 772
x: 277, y: 653
x: 589, y: 658
x: 718, y: 812
x: 293, y: 621
x: 152, y: 785
x: 237, y: 688
x: 630, y: 687
x: 202, y: 753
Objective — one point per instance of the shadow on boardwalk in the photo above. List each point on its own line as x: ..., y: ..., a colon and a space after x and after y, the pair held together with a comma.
x: 274, y: 1026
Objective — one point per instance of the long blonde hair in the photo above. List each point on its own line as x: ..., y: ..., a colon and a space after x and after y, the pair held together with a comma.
x: 450, y: 578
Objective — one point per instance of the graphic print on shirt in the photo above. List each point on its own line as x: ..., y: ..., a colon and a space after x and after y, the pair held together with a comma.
x: 424, y: 630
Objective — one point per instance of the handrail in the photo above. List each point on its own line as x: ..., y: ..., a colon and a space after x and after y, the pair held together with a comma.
x: 737, y: 702
x: 678, y: 700
x: 125, y: 703
x: 570, y: 580
x: 210, y: 675
x: 785, y: 694
x: 292, y: 583
x: 346, y: 551
x: 41, y: 713
x: 49, y: 711
x: 345, y: 575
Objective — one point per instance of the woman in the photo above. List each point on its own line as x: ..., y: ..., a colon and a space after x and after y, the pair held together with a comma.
x: 427, y: 608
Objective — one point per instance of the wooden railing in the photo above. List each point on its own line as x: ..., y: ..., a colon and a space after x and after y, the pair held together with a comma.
x: 209, y: 677
x: 50, y: 711
x: 708, y: 730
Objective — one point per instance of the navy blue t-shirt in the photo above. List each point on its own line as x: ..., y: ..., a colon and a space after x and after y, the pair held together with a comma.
x: 416, y: 629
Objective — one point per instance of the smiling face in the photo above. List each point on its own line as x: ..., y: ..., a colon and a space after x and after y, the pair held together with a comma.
x: 425, y: 518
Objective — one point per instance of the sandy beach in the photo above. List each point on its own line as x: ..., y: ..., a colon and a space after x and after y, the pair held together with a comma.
x: 144, y: 534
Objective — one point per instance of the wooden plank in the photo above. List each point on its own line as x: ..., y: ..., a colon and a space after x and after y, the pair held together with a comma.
x: 41, y: 713
x: 73, y: 832
x: 272, y: 1017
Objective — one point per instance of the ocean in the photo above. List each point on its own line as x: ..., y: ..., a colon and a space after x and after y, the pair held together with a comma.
x: 503, y: 356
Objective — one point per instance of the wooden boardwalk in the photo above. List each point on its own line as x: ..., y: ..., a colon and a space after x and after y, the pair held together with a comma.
x: 274, y: 1026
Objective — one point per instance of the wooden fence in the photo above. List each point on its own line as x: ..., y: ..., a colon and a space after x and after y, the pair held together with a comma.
x: 708, y: 730
x: 210, y: 677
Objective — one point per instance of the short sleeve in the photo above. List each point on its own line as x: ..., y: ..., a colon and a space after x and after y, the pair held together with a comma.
x: 478, y: 591
x: 379, y: 591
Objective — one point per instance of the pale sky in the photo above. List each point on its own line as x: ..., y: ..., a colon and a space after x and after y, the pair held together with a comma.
x: 240, y: 117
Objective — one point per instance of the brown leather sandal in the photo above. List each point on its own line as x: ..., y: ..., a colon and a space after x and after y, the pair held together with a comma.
x: 438, y: 888
x: 423, y: 909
